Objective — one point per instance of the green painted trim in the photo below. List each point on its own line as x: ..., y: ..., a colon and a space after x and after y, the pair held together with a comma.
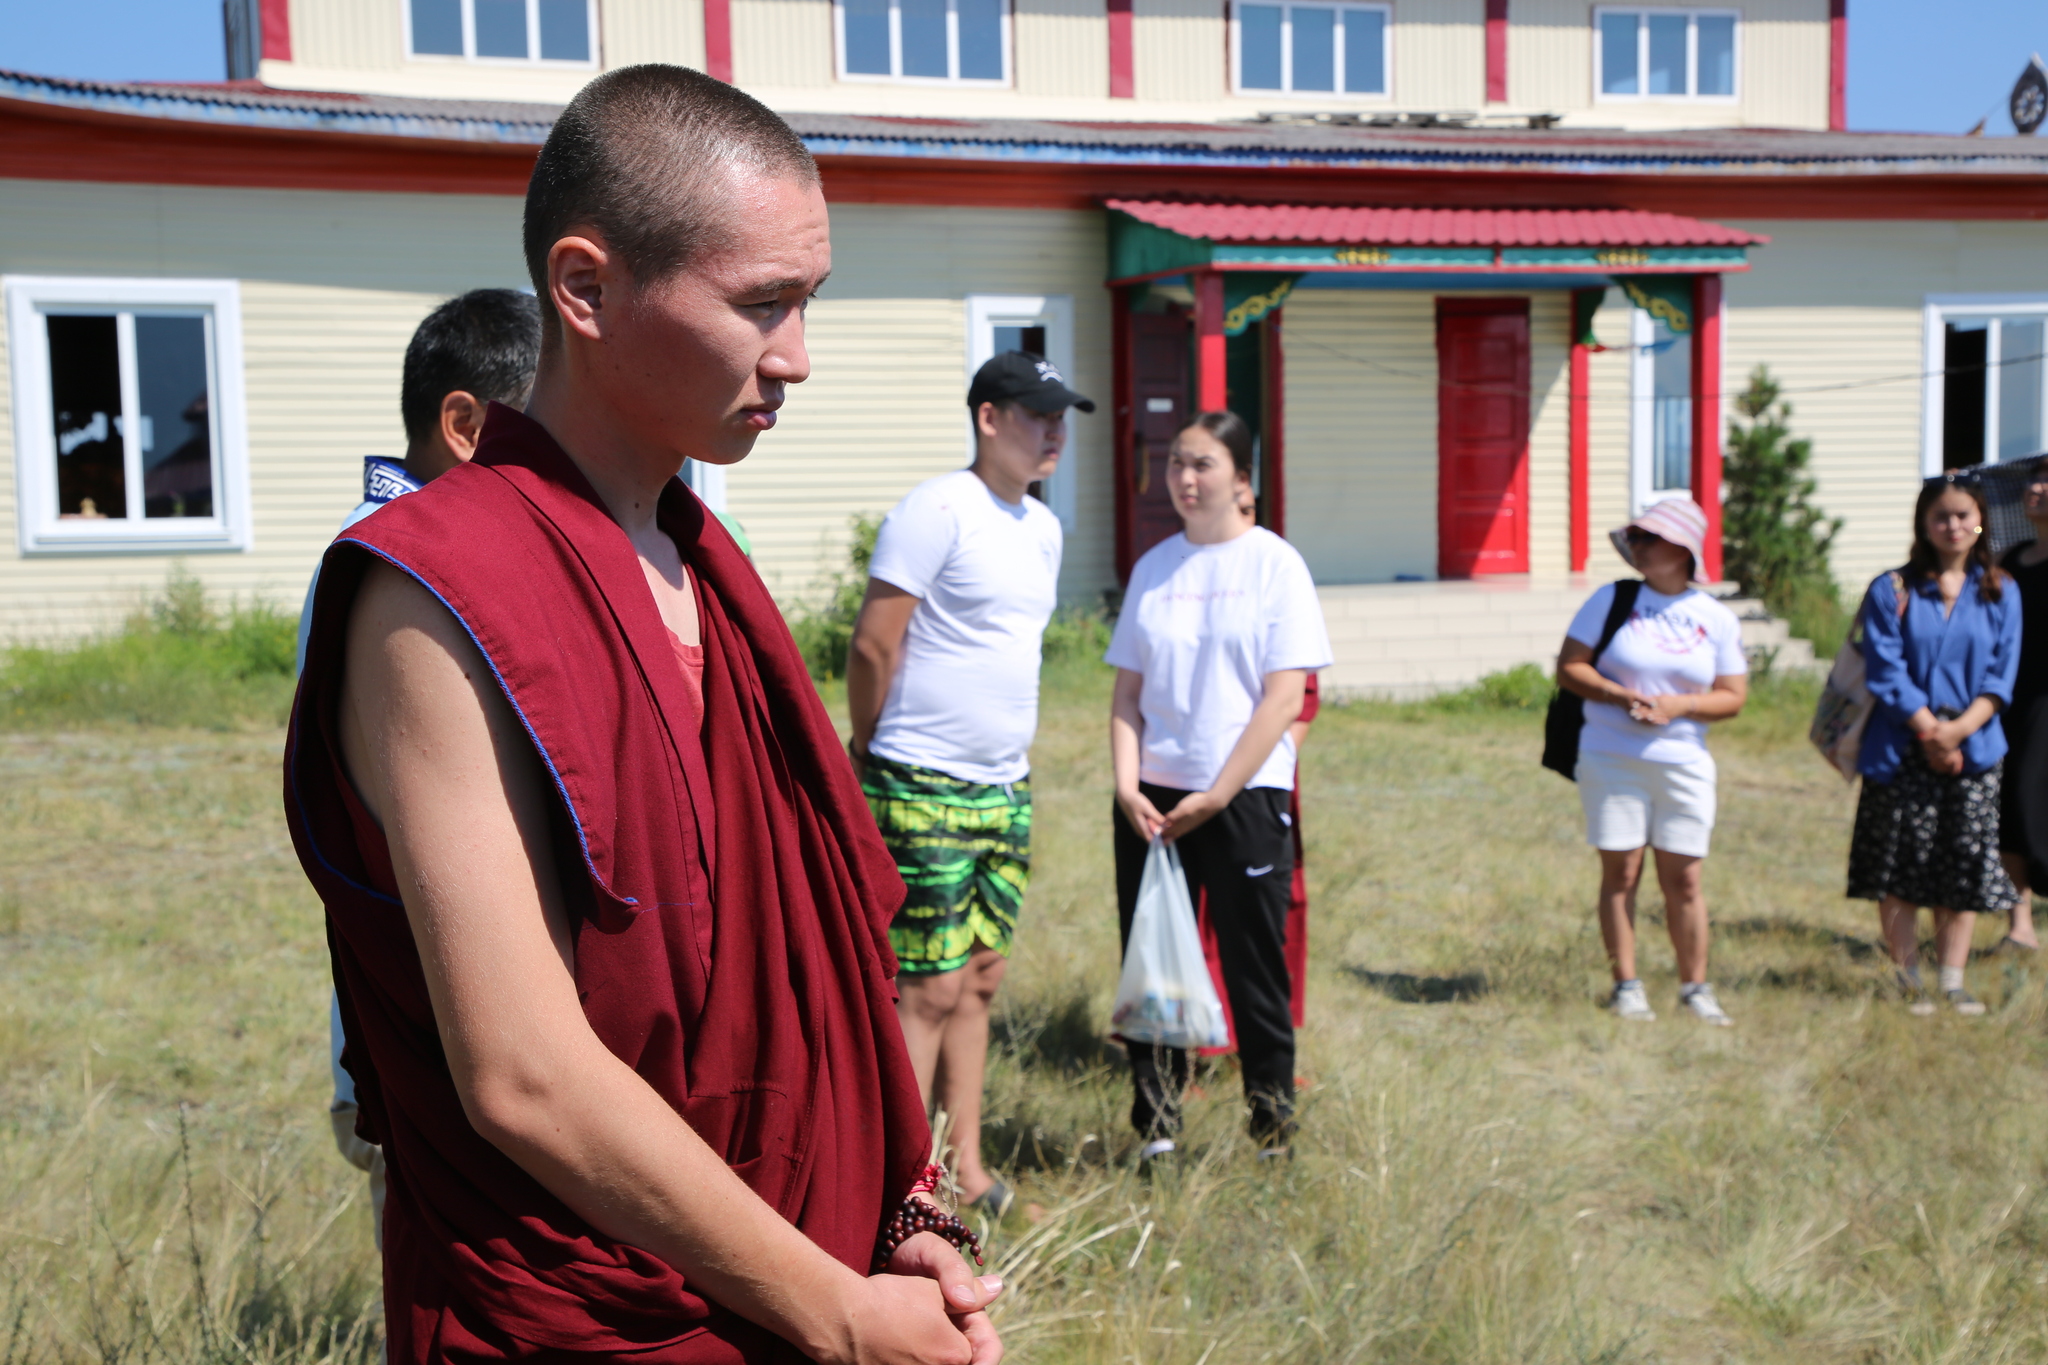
x: 1626, y: 257
x: 1137, y: 248
x: 1311, y: 257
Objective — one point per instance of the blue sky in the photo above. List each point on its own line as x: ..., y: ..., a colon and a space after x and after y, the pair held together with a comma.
x: 1905, y: 72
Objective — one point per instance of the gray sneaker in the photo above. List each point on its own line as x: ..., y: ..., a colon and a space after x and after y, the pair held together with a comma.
x: 1700, y: 1000
x: 1629, y: 1002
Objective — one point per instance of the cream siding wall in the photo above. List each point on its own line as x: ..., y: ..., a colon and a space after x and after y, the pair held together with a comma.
x: 329, y: 302
x: 1834, y: 309
x: 1439, y: 54
x: 1782, y: 79
x: 1550, y: 376
x: 1607, y: 430
x: 783, y: 52
x: 781, y: 44
x: 1178, y: 50
x: 631, y: 31
x: 1062, y: 48
x: 1361, y: 412
x: 885, y: 406
x: 332, y: 286
x: 1361, y: 432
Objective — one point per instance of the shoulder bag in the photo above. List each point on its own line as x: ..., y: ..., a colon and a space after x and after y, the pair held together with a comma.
x: 1567, y: 714
x: 1845, y: 703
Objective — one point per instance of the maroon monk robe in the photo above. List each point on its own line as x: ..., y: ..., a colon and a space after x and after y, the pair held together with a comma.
x: 739, y: 965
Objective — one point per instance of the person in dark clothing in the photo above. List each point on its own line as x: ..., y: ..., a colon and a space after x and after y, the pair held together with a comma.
x: 2023, y: 811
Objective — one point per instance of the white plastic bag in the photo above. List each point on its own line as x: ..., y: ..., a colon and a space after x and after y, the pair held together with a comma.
x: 1166, y: 997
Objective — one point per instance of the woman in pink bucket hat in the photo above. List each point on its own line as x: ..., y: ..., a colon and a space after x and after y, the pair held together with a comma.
x: 1656, y: 659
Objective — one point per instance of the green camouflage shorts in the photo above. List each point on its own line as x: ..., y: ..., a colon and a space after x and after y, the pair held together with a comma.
x: 964, y: 849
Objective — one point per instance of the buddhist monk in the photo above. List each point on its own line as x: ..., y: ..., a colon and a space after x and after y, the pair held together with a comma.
x: 607, y: 911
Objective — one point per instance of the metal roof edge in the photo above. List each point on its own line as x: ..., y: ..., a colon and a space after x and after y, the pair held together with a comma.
x: 280, y: 110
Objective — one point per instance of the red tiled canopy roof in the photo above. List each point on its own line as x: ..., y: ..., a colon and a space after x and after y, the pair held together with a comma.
x: 1431, y: 227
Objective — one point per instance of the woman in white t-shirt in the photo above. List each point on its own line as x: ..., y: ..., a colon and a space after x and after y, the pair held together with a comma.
x: 1645, y: 776
x: 1219, y: 631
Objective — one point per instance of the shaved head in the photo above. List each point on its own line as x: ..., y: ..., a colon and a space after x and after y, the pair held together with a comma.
x: 645, y: 156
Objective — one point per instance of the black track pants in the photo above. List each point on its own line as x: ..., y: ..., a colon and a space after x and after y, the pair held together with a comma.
x: 1244, y: 859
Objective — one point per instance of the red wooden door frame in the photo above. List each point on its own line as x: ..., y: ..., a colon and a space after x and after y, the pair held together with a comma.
x: 1518, y: 485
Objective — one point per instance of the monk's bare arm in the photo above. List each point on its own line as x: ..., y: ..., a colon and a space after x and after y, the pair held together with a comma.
x: 445, y: 767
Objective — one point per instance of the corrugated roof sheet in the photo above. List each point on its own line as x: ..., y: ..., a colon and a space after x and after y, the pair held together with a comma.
x: 1431, y: 227
x: 1726, y: 151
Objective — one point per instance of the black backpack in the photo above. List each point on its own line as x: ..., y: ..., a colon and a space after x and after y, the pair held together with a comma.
x: 1567, y: 714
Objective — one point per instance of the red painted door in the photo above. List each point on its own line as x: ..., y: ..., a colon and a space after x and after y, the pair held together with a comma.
x: 1160, y: 394
x: 1482, y: 424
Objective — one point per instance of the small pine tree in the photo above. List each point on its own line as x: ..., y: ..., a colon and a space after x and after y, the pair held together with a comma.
x: 1775, y: 541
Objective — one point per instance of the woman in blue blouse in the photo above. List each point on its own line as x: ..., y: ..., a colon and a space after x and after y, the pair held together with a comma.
x: 1941, y: 643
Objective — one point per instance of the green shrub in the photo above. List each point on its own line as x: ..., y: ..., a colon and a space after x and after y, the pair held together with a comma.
x: 1777, y: 541
x: 1076, y: 634
x: 177, y: 660
x: 824, y: 632
x: 1525, y: 687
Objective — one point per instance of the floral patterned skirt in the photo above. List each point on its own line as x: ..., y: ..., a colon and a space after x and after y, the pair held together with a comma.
x: 1931, y: 840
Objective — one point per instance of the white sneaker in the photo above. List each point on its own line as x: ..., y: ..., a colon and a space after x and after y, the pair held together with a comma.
x: 1629, y: 1002
x: 1700, y: 1000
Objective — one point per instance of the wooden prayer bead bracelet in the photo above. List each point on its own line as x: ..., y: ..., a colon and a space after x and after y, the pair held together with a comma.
x: 915, y: 1216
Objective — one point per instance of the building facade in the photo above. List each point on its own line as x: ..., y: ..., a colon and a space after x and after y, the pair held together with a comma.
x: 1483, y: 274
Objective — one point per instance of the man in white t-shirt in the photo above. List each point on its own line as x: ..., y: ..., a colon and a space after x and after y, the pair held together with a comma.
x: 942, y: 684
x: 473, y: 350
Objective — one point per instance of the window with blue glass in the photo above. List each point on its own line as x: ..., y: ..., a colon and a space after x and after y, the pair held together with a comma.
x: 1312, y: 49
x: 1664, y: 54
x: 964, y: 42
x: 504, y: 30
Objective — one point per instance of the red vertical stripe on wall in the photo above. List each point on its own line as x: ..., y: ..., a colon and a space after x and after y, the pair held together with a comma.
x: 718, y: 39
x: 1838, y: 64
x: 1123, y: 80
x: 1497, y: 51
x: 276, y: 18
x: 1706, y: 413
x: 1212, y: 388
x: 1581, y: 443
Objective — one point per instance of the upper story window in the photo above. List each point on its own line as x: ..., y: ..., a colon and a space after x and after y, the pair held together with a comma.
x: 1312, y: 49
x: 955, y: 42
x: 1664, y: 54
x: 504, y: 30
x: 128, y: 423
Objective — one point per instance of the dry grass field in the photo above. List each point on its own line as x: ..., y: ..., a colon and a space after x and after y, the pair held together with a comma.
x: 1490, y: 1170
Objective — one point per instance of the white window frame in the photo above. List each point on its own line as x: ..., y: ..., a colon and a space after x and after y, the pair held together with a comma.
x: 1055, y: 313
x: 468, y: 53
x: 1288, y: 92
x: 1692, y: 54
x: 28, y: 300
x: 1642, y: 416
x: 707, y: 481
x: 1009, y: 31
x: 1937, y: 310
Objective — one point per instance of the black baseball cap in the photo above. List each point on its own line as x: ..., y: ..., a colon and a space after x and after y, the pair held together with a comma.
x: 1021, y: 377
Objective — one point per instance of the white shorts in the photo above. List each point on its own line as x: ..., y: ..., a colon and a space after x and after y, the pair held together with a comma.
x: 1630, y: 803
